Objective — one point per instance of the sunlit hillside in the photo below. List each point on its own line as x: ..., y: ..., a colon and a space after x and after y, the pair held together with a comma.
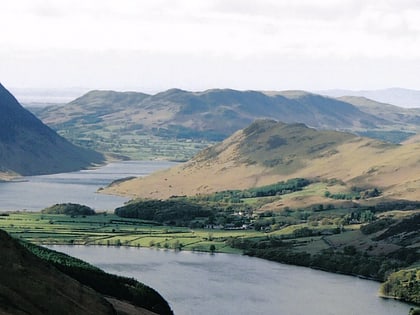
x: 267, y: 152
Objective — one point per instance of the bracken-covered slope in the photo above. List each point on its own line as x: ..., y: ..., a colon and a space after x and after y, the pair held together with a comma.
x: 268, y: 151
x: 28, y: 147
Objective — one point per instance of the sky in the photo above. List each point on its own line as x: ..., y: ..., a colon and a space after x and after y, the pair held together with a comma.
x: 153, y: 45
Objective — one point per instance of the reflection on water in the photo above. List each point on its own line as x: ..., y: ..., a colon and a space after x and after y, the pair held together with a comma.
x: 200, y: 283
x: 38, y: 192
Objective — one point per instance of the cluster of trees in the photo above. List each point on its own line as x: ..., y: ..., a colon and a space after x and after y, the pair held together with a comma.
x: 122, y: 288
x: 72, y: 209
x: 280, y: 188
x: 360, y: 216
x: 172, y: 211
x: 348, y: 260
x: 404, y: 285
x: 187, y: 211
x: 355, y: 193
x: 403, y: 205
x: 342, y: 196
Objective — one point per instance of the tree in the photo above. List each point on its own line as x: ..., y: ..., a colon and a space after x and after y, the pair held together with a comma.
x: 212, y: 248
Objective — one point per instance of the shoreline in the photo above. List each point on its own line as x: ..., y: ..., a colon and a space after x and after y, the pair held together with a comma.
x: 218, y: 249
x: 379, y: 294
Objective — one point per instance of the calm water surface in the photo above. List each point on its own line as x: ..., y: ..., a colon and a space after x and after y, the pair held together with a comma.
x: 38, y: 192
x: 204, y: 284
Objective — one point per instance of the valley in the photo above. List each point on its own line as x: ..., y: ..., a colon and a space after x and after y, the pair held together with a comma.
x: 210, y: 157
x: 282, y: 191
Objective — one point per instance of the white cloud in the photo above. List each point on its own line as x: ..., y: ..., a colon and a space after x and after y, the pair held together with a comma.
x: 258, y: 34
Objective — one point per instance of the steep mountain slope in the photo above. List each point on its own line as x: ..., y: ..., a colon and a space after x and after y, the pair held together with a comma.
x: 30, y: 286
x: 109, y: 120
x: 267, y: 152
x: 36, y: 280
x: 28, y: 147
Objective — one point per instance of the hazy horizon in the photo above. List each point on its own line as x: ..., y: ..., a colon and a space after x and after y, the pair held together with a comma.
x: 39, y: 97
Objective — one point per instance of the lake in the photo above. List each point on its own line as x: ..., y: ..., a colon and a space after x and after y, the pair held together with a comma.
x: 35, y: 193
x: 199, y: 283
x: 202, y: 284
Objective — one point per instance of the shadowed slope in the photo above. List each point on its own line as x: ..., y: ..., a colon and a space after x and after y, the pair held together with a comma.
x: 29, y: 147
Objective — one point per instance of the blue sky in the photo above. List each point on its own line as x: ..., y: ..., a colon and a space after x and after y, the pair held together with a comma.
x: 152, y: 45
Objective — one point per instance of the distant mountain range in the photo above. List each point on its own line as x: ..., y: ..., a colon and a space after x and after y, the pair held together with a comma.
x: 267, y: 152
x: 396, y: 96
x: 103, y: 118
x: 212, y: 114
x: 28, y: 147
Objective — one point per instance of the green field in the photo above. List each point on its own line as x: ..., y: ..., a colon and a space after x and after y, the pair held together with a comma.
x: 111, y: 230
x: 135, y: 146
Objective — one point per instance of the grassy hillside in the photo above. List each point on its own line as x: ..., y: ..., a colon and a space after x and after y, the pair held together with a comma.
x: 267, y: 152
x: 29, y: 147
x: 177, y: 124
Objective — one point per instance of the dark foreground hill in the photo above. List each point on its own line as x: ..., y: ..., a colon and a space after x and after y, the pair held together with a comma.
x: 31, y: 285
x: 28, y: 147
